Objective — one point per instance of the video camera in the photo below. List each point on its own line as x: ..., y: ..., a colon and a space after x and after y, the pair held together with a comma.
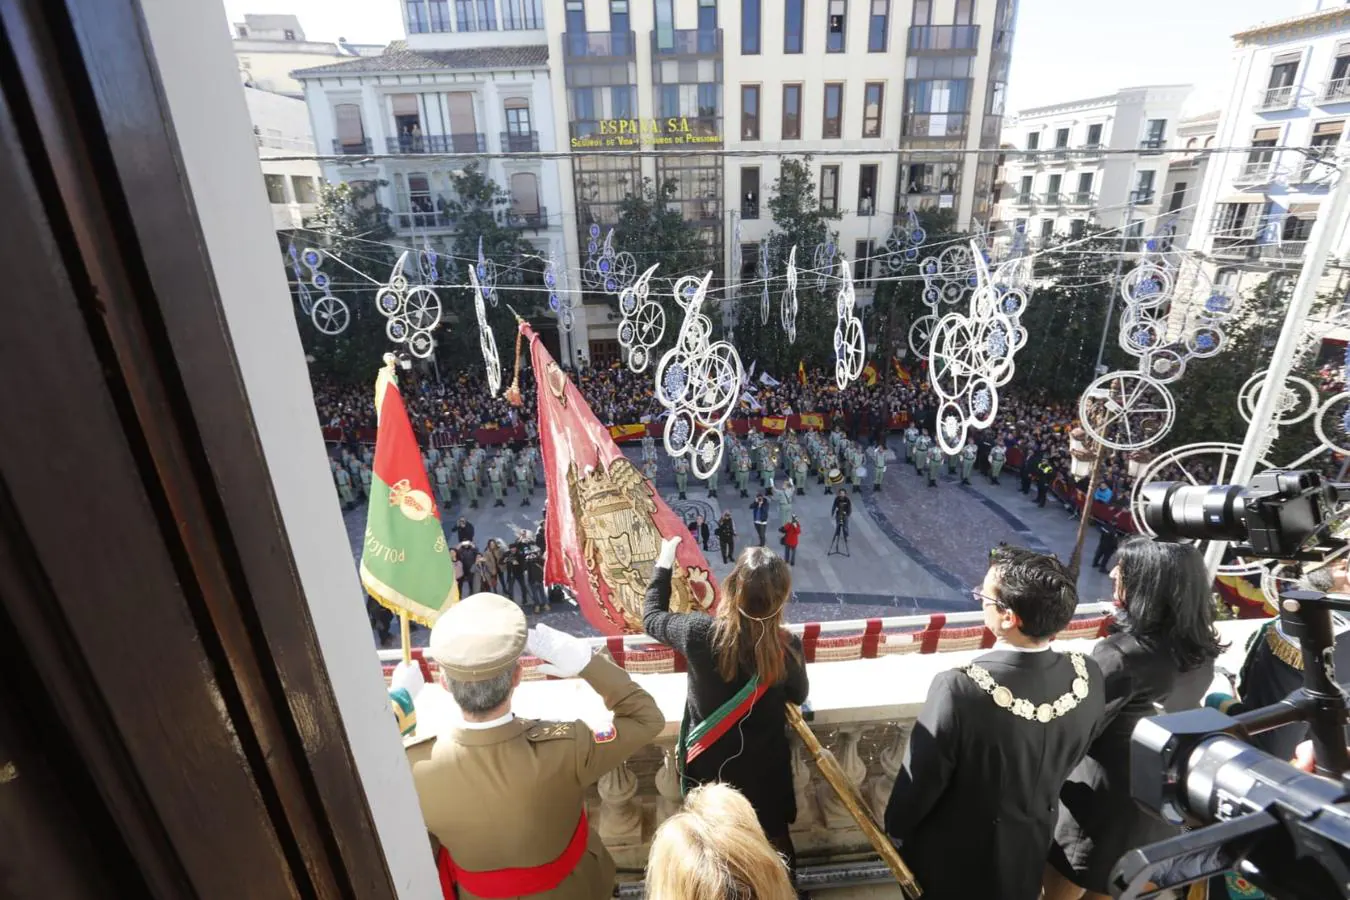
x: 1284, y: 830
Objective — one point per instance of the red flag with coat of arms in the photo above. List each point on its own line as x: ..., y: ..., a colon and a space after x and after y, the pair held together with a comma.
x: 605, y: 521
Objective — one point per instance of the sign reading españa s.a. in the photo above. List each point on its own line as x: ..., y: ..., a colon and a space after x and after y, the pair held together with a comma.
x: 634, y: 133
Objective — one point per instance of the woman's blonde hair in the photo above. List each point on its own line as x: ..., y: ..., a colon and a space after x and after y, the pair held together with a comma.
x: 749, y: 636
x: 714, y: 849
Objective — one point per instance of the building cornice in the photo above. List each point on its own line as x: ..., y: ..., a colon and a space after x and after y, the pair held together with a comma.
x: 1320, y: 22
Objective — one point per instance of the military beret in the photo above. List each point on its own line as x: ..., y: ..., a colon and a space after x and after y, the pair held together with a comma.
x: 479, y: 638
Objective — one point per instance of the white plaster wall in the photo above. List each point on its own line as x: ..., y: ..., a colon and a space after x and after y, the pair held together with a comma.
x: 211, y: 120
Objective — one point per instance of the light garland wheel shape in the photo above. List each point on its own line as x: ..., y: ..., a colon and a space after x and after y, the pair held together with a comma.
x: 789, y: 302
x: 421, y: 343
x: 920, y: 333
x: 706, y: 455
x: 330, y: 315
x: 487, y: 342
x: 1299, y: 399
x: 951, y: 427
x: 1126, y: 410
x: 422, y: 308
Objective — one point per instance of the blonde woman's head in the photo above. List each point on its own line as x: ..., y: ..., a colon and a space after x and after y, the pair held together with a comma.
x: 714, y: 849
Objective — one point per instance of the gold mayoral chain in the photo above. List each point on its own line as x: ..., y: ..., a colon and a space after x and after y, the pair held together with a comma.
x: 1046, y: 712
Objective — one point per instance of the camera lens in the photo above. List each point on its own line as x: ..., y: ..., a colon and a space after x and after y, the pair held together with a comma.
x: 1176, y: 510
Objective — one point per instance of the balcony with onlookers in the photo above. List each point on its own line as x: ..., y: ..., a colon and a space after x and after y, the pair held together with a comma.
x: 589, y: 45
x: 1275, y: 98
x: 935, y: 125
x: 944, y: 38
x: 535, y: 219
x: 424, y: 219
x: 437, y: 143
x: 689, y: 42
x: 1337, y: 90
x: 520, y: 141
x: 349, y: 147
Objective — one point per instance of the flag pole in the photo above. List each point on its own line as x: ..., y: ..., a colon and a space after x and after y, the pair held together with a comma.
x: 405, y: 632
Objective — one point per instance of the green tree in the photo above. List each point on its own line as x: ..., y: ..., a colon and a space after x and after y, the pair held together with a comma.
x: 897, y: 301
x: 799, y: 221
x: 350, y: 224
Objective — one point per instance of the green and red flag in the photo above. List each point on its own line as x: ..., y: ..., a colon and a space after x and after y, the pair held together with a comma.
x: 405, y: 559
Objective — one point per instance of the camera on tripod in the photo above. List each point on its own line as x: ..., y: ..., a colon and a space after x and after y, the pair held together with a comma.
x: 1286, y: 831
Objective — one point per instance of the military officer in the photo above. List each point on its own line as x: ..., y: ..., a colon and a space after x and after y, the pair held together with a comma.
x: 997, y: 457
x: 471, y: 483
x: 784, y: 497
x: 495, y: 479
x: 523, y: 482
x: 681, y: 476
x: 911, y: 438
x: 968, y: 454
x: 878, y: 467
x: 344, y: 486
x: 799, y: 472
x: 935, y: 455
x: 921, y: 448
x: 743, y: 472
x: 503, y: 797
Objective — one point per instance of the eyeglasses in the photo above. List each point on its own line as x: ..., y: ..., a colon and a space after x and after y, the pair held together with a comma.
x: 984, y: 600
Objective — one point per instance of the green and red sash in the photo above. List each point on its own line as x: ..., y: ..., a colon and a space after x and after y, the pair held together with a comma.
x: 694, y: 741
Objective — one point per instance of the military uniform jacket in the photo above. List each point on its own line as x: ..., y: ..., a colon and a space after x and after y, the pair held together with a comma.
x: 510, y: 796
x: 981, y: 777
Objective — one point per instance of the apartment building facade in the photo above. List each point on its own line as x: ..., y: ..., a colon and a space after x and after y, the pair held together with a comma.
x: 281, y: 130
x: 270, y: 47
x: 1098, y: 161
x: 1289, y: 103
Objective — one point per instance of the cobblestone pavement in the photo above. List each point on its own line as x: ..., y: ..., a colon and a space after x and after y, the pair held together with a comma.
x: 911, y: 549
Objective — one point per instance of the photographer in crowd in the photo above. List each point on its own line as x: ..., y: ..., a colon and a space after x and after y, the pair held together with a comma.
x: 840, y: 510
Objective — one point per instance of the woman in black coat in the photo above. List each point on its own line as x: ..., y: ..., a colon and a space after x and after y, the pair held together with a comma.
x: 724, y: 652
x: 1161, y: 651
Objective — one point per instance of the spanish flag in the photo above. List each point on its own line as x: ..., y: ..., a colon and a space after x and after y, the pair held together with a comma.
x: 869, y: 374
x: 801, y: 372
x: 405, y: 560
x: 900, y: 371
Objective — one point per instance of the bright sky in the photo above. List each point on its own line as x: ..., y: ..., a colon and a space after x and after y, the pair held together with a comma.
x: 1064, y: 49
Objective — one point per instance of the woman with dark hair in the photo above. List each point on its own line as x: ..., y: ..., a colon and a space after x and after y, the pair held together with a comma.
x: 743, y: 668
x: 1161, y: 651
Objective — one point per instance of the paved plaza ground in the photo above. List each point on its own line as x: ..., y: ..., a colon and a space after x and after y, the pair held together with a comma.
x: 912, y: 548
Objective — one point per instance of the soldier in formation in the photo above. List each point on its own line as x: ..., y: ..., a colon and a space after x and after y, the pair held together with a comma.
x: 878, y: 466
x: 855, y: 467
x: 713, y: 477
x: 799, y: 471
x: 648, y: 449
x: 911, y: 440
x: 997, y: 457
x: 649, y: 469
x: 968, y: 454
x: 743, y: 471
x: 442, y: 477
x: 681, y: 476
x: 784, y: 496
x: 344, y: 485
x: 495, y: 479
x: 524, y: 483
x: 935, y: 455
x: 921, y: 448
x: 470, y: 474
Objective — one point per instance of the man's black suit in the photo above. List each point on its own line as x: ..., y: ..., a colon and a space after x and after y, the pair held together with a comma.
x: 976, y: 800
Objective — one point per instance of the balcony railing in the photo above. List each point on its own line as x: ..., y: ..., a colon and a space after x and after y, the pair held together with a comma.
x: 599, y: 44
x: 1081, y: 198
x: 352, y: 148
x: 438, y: 143
x: 1337, y: 90
x: 534, y: 219
x: 944, y: 37
x: 1275, y: 98
x: 1058, y: 155
x: 934, y: 125
x: 1154, y: 145
x: 425, y: 220
x: 1255, y: 172
x: 520, y: 141
x: 1024, y: 199
x: 749, y: 210
x: 690, y: 42
x: 1236, y: 247
x: 1284, y: 251
x: 1143, y: 197
x: 1090, y: 150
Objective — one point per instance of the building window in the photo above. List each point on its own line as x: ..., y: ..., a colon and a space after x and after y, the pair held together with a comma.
x: 749, y: 112
x: 1177, y: 197
x: 1052, y: 189
x: 832, y: 125
x: 829, y: 189
x: 792, y: 112
x: 793, y: 16
x: 1155, y: 134
x: 749, y: 261
x: 872, y: 94
x: 464, y: 17
x: 923, y: 12
x: 750, y: 192
x: 835, y: 26
x: 618, y: 16
x: 1034, y: 140
x: 303, y: 186
x: 707, y: 21
x: 1094, y: 138
x: 417, y: 17
x: 862, y: 263
x: 1076, y: 228
x: 1283, y: 74
x: 965, y: 12
x: 276, y: 188
x: 416, y: 201
x: 750, y: 18
x: 1061, y: 138
x: 440, y: 15
x: 1338, y: 87
x: 575, y: 14
x: 517, y: 111
x: 1325, y: 137
x: 1047, y: 229
x: 1084, y: 195
x: 1298, y: 223
x: 867, y: 189
x: 941, y: 177
x: 351, y: 135
x: 519, y: 15
x: 878, y: 26
x: 1024, y: 190
x: 407, y: 123
x: 288, y: 34
x: 1143, y: 187
x: 242, y: 30
x: 525, y: 196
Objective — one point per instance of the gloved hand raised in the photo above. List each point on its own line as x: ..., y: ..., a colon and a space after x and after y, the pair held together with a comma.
x: 563, y: 655
x: 666, y: 558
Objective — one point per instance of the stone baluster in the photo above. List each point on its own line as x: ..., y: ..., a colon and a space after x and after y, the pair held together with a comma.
x: 836, y: 813
x: 805, y: 797
x: 620, y: 815
x: 878, y: 789
x: 668, y: 787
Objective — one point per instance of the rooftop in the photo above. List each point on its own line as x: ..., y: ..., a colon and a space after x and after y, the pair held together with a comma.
x: 1318, y: 16
x: 398, y: 58
x: 1103, y: 100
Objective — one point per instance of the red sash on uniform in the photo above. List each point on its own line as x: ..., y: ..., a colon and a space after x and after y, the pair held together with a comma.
x: 503, y: 883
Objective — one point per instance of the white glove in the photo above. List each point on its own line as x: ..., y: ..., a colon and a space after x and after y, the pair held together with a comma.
x: 666, y: 558
x: 563, y: 655
x: 409, y: 677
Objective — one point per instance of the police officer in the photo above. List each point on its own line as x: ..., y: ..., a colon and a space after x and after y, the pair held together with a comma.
x: 878, y: 467
x: 799, y: 471
x: 997, y: 457
x: 681, y: 476
x: 743, y: 472
x: 1045, y: 473
x: 911, y: 438
x: 935, y: 455
x: 968, y: 454
x: 504, y: 797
